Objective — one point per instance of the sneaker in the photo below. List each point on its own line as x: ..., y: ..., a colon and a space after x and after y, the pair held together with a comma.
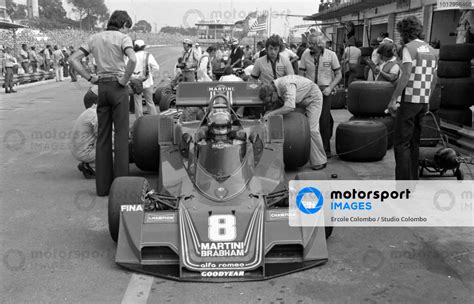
x: 84, y: 171
x: 318, y: 167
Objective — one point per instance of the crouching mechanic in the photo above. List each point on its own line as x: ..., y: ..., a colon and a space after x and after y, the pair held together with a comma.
x: 283, y: 94
x: 84, y: 135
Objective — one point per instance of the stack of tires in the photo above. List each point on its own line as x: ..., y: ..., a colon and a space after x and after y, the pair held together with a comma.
x: 456, y: 83
x: 368, y: 134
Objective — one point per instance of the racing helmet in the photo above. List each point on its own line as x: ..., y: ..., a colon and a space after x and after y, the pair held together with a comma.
x: 219, y: 122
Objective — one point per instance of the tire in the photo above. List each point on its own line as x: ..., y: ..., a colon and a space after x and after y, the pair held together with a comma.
x: 369, y: 98
x: 124, y: 191
x: 430, y: 135
x: 457, y: 52
x: 167, y: 101
x: 338, y: 100
x: 361, y: 140
x: 454, y: 69
x: 389, y: 123
x: 435, y: 98
x: 297, y: 140
x: 146, y: 150
x: 457, y: 92
x: 366, y: 51
x: 157, y: 96
x: 456, y: 116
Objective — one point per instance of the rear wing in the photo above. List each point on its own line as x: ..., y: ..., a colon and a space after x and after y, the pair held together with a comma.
x: 198, y: 94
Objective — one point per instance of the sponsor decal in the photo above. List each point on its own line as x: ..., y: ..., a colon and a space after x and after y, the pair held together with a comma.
x: 279, y: 214
x: 221, y: 88
x: 151, y: 218
x: 253, y: 86
x: 326, y: 64
x: 131, y: 208
x: 223, y: 249
x: 223, y: 273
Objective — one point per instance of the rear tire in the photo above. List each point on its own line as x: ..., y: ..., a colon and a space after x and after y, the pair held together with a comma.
x: 297, y: 140
x: 124, y: 191
x: 457, y: 52
x: 454, y: 69
x: 369, y: 98
x: 456, y: 116
x: 457, y: 92
x: 361, y: 140
x: 146, y: 149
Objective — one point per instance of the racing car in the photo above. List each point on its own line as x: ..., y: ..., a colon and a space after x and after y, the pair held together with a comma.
x: 219, y: 211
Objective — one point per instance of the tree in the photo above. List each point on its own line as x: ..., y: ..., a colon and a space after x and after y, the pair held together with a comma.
x: 16, y: 11
x: 89, y: 11
x: 52, y: 10
x: 142, y: 26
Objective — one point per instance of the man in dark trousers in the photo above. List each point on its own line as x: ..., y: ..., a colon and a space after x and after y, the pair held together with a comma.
x: 322, y: 66
x: 419, y: 64
x: 109, y: 48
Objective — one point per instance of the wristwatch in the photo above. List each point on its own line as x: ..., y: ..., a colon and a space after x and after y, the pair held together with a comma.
x: 89, y: 78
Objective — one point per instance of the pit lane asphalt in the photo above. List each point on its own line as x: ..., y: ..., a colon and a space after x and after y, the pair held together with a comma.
x: 55, y: 245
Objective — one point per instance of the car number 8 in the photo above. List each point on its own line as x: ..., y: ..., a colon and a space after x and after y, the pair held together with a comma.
x: 222, y: 228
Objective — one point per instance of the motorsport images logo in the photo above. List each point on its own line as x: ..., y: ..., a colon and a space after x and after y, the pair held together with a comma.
x: 308, y: 204
x: 380, y: 203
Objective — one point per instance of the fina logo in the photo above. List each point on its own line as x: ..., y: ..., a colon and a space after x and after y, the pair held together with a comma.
x: 309, y: 207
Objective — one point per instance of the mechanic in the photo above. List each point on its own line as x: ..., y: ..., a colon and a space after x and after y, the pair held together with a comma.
x: 190, y: 61
x: 389, y: 69
x: 260, y: 51
x: 109, y: 48
x: 322, y: 66
x: 84, y: 135
x: 204, y: 72
x: 350, y: 59
x: 144, y: 70
x: 272, y: 65
x: 282, y: 96
x: 236, y: 54
x: 419, y: 63
x: 374, y: 60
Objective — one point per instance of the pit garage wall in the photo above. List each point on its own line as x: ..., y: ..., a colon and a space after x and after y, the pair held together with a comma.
x: 386, y: 17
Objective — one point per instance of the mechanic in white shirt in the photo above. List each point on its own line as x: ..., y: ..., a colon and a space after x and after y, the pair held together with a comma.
x: 204, y: 72
x: 145, y: 68
x: 84, y: 135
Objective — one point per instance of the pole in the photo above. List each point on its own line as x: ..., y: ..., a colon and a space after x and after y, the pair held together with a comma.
x: 270, y: 23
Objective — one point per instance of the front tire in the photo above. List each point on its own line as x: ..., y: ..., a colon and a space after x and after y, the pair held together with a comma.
x: 124, y: 191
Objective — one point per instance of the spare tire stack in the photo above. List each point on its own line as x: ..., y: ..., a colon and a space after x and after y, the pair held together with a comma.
x: 366, y: 136
x: 456, y: 83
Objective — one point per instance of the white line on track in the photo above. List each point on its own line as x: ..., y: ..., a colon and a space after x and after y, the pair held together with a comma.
x: 138, y: 289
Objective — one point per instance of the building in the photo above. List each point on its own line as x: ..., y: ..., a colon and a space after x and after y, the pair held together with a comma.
x: 213, y: 31
x: 371, y: 17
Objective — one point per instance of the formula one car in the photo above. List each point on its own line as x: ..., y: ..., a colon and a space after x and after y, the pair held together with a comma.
x: 220, y: 208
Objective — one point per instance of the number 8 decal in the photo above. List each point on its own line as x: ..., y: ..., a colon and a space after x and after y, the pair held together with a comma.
x: 222, y: 228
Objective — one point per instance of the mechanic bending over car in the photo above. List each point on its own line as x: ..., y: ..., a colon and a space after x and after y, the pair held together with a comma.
x: 84, y: 134
x: 282, y: 96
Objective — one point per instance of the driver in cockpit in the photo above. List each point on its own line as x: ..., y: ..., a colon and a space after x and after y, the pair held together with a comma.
x: 219, y: 129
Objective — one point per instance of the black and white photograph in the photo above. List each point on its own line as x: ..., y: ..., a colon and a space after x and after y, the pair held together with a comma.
x: 223, y: 151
